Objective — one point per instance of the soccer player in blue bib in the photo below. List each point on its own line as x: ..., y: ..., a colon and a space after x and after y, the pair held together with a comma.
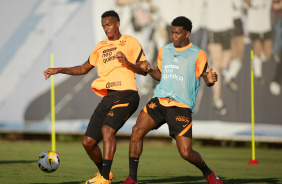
x: 180, y: 66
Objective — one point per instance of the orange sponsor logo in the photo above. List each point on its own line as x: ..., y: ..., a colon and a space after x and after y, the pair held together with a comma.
x: 111, y: 113
x: 152, y: 105
x: 182, y: 118
x: 112, y: 84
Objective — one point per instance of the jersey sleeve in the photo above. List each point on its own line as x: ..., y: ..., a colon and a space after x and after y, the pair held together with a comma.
x: 201, y: 64
x: 138, y: 53
x: 94, y: 57
x: 160, y: 59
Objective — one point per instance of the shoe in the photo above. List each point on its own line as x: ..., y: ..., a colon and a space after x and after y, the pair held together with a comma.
x: 219, y: 106
x: 275, y: 88
x: 111, y: 175
x: 97, y: 177
x: 130, y: 181
x: 102, y: 180
x: 213, y: 179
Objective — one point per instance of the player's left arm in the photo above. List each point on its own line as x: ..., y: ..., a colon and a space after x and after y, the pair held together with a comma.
x: 202, y: 69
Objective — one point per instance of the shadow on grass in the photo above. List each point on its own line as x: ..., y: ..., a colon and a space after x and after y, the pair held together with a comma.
x: 179, y: 179
x: 260, y: 180
x: 16, y: 161
x: 69, y: 182
x: 187, y: 180
x: 198, y: 180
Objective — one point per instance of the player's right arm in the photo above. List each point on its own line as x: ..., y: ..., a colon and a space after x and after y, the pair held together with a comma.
x: 76, y: 70
x: 156, y: 74
x: 146, y: 67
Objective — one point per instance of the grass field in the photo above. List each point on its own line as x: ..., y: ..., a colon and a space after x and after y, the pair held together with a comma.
x: 158, y: 164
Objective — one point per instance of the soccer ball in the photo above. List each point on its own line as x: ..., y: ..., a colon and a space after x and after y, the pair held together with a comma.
x: 48, y: 161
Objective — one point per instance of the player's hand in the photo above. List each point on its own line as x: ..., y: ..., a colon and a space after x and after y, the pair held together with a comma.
x: 50, y: 71
x: 212, y: 76
x: 121, y: 57
x: 145, y: 66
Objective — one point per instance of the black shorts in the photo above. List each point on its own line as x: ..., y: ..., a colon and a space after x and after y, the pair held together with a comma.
x: 222, y: 38
x: 261, y: 36
x: 238, y: 28
x: 179, y: 120
x: 113, y: 111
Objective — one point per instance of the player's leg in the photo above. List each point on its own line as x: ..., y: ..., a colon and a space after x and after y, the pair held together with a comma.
x: 237, y: 48
x: 123, y: 105
x: 179, y: 121
x: 257, y: 62
x: 267, y: 48
x: 148, y: 119
x: 184, y: 145
x: 227, y: 69
x: 275, y: 85
x: 92, y: 137
x: 143, y: 125
x: 216, y: 52
x: 92, y: 149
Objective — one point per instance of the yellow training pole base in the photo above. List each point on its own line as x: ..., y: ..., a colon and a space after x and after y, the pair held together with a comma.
x: 253, y: 162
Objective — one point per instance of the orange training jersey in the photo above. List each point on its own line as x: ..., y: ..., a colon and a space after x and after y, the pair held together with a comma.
x: 199, y: 68
x: 113, y: 74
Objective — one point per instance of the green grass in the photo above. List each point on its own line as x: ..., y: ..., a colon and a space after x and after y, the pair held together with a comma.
x: 158, y: 164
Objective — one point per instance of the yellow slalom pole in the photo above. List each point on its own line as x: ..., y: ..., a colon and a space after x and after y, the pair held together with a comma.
x: 253, y: 161
x: 53, y: 135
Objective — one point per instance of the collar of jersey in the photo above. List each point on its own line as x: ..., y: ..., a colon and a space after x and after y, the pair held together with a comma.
x: 115, y: 40
x: 184, y: 48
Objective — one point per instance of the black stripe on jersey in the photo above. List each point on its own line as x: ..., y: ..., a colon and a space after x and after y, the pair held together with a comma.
x: 159, y: 69
x: 88, y: 60
x: 139, y: 56
x: 205, y: 69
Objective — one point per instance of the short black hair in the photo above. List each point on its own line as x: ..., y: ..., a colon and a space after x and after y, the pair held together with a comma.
x: 110, y: 13
x: 182, y: 22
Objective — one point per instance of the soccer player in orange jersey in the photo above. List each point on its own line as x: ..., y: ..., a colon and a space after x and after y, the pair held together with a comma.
x: 180, y: 66
x: 116, y: 59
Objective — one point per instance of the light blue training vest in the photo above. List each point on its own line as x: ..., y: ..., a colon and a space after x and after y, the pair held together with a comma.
x: 178, y: 75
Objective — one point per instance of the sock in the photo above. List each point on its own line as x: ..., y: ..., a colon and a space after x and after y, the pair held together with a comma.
x: 257, y: 66
x: 133, y: 166
x: 100, y: 166
x: 235, y: 67
x: 205, y: 170
x: 107, y: 164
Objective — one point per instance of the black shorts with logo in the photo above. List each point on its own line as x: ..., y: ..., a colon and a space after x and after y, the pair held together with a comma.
x: 179, y: 119
x: 113, y: 111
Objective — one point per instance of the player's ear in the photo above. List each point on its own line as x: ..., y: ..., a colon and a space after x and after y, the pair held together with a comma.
x: 118, y: 23
x: 187, y: 34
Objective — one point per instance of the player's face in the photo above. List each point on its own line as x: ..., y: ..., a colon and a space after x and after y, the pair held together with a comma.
x: 111, y: 27
x: 179, y: 36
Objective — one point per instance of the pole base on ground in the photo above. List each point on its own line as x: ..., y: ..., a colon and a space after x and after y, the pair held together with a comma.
x: 253, y: 162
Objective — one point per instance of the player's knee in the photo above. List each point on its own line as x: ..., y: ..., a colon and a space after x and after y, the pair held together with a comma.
x: 137, y: 131
x: 186, y: 154
x: 107, y: 132
x: 88, y: 143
